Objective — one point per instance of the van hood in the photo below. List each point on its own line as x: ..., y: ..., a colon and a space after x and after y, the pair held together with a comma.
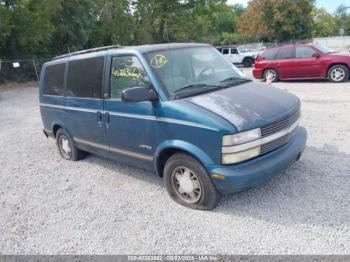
x: 249, y: 105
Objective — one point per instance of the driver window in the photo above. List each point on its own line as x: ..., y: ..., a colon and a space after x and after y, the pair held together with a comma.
x: 304, y: 52
x: 126, y: 72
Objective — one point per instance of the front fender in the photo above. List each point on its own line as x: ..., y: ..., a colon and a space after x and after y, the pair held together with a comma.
x: 193, y: 150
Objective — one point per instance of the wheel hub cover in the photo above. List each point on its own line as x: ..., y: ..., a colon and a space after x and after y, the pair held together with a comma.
x: 186, y: 184
x: 65, y: 146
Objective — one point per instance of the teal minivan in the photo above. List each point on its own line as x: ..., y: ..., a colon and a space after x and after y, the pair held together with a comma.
x: 180, y: 110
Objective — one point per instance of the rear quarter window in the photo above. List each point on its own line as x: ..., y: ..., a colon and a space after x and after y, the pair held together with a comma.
x: 269, y: 54
x: 285, y: 53
x: 85, y: 78
x: 54, y: 80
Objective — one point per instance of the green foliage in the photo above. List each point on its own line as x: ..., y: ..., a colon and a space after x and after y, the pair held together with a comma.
x: 114, y: 24
x: 281, y: 20
x: 342, y: 18
x: 324, y: 23
x: 46, y: 28
x: 236, y: 38
x: 74, y: 22
x: 5, y: 23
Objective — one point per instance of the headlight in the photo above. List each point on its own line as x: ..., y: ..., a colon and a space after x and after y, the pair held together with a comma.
x: 241, y: 138
x: 246, y: 145
x: 241, y: 156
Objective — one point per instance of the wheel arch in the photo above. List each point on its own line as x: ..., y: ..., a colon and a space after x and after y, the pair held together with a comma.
x: 248, y: 57
x: 169, y: 148
x: 335, y: 63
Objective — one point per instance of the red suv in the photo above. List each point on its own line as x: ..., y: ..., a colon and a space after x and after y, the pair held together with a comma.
x: 307, y: 61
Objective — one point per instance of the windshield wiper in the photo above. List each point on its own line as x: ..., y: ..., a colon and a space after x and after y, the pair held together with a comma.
x: 204, y: 88
x: 235, y: 79
x: 194, y: 86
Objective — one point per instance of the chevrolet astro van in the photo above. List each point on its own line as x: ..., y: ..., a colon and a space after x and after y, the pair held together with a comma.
x: 180, y: 110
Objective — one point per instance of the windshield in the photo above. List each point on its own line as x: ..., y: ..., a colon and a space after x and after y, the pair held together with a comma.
x: 190, y: 71
x: 324, y: 49
x: 242, y: 49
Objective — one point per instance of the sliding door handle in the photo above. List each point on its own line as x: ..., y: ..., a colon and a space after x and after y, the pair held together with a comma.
x: 99, y: 116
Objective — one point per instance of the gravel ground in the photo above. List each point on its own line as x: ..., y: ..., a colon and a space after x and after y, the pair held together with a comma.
x: 97, y: 206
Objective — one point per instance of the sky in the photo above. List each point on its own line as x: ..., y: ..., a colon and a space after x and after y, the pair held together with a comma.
x: 329, y: 5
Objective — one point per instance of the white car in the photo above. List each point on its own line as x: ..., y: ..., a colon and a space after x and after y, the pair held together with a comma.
x: 238, y: 55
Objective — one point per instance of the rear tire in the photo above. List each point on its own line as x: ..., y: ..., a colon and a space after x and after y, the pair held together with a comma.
x: 188, y: 183
x: 338, y: 74
x: 274, y: 74
x: 66, y: 146
x: 248, y: 62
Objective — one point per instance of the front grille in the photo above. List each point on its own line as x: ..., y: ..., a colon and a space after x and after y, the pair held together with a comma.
x: 268, y: 147
x: 279, y: 125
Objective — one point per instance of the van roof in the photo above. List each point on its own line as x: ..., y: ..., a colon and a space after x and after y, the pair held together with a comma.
x: 141, y: 48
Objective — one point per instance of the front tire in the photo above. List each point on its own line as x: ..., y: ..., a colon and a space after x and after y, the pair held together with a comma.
x: 338, y: 73
x: 66, y: 146
x: 188, y: 183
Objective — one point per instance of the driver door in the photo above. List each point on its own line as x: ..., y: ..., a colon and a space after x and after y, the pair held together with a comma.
x: 130, y: 127
x: 306, y: 63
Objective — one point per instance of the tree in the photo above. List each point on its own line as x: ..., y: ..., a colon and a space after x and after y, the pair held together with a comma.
x: 281, y: 20
x: 114, y: 23
x: 26, y: 29
x: 5, y: 22
x: 324, y: 23
x: 252, y: 22
x: 342, y: 20
x: 183, y: 20
x: 74, y: 23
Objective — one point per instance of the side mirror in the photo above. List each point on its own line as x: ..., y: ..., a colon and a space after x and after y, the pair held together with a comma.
x: 139, y: 94
x: 317, y: 55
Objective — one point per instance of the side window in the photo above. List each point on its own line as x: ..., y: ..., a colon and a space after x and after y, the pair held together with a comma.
x: 285, y: 53
x: 54, y: 80
x: 269, y: 54
x: 234, y: 51
x: 85, y: 77
x: 127, y: 72
x: 304, y: 52
x: 225, y: 51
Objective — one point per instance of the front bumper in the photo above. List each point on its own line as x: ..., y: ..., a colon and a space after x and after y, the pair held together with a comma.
x: 258, y: 73
x: 253, y: 172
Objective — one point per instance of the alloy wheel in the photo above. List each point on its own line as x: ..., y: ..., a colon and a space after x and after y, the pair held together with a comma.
x: 272, y: 74
x: 337, y: 74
